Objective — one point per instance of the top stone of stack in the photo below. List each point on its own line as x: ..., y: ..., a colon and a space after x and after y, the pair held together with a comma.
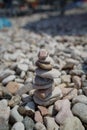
x: 45, y: 66
x: 42, y: 55
x: 43, y: 61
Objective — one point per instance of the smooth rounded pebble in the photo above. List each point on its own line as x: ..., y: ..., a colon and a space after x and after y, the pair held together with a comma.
x: 72, y: 123
x: 80, y: 110
x: 80, y: 99
x: 8, y: 79
x: 39, y: 126
x: 18, y: 126
x: 50, y: 123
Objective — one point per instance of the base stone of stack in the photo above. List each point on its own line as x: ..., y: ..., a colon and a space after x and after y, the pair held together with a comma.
x: 54, y: 96
x: 43, y: 93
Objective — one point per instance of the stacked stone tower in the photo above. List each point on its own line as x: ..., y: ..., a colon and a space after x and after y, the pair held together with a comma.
x: 45, y: 91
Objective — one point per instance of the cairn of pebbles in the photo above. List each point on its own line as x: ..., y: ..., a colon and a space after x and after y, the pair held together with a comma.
x: 45, y: 91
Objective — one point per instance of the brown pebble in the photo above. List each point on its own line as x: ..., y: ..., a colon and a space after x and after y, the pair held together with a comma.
x: 43, y: 110
x: 12, y: 87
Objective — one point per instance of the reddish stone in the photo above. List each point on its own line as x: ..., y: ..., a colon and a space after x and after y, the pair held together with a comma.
x: 69, y: 93
x: 77, y: 81
x: 64, y: 111
x: 12, y: 87
x: 42, y: 54
x: 38, y: 117
x: 43, y: 110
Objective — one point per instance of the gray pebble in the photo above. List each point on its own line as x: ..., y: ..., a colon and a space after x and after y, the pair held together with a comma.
x: 8, y: 79
x: 28, y: 123
x: 18, y: 126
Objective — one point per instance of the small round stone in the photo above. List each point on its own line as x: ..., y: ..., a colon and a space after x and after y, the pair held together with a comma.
x: 42, y: 54
x: 22, y: 67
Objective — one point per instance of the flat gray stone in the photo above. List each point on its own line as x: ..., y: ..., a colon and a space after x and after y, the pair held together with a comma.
x: 5, y: 73
x: 8, y: 79
x: 48, y: 74
x: 41, y: 81
x: 50, y: 85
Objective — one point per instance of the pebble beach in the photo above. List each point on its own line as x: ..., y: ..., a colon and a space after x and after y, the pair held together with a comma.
x: 43, y: 72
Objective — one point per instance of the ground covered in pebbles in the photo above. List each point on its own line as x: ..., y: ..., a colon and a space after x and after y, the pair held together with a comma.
x: 65, y: 39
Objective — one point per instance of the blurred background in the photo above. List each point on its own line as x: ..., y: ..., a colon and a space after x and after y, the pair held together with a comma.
x: 69, y: 16
x: 17, y: 7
